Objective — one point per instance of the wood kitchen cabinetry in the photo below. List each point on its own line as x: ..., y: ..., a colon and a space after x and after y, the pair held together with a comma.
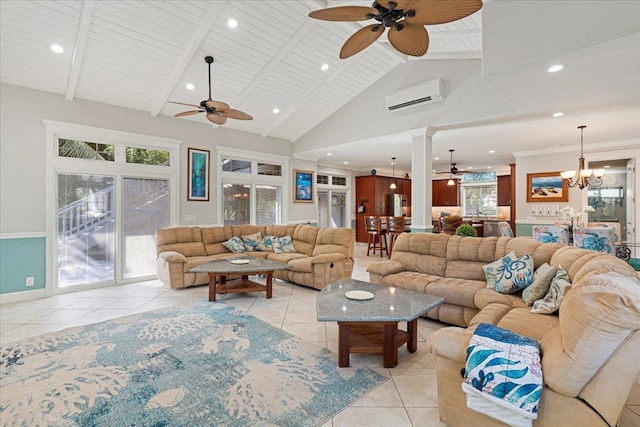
x: 504, y: 190
x: 372, y: 192
x: 445, y: 195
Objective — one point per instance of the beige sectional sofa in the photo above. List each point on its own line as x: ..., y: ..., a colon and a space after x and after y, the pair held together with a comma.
x: 590, y: 348
x: 323, y: 255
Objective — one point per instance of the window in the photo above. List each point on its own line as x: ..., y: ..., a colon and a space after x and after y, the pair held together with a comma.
x: 322, y: 179
x: 147, y: 157
x: 236, y: 204
x: 479, y: 199
x: 237, y: 166
x: 85, y: 150
x: 338, y: 180
x: 268, y: 204
x: 268, y: 169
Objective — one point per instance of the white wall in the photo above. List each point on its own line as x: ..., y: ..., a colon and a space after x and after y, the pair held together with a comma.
x: 303, y: 212
x: 22, y: 154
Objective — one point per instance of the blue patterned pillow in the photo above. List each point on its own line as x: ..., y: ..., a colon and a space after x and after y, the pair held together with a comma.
x: 266, y: 244
x: 491, y: 271
x: 234, y: 244
x: 283, y: 244
x: 251, y: 241
x: 516, y: 274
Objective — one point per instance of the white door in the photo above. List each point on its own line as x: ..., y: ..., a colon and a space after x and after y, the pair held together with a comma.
x: 324, y: 209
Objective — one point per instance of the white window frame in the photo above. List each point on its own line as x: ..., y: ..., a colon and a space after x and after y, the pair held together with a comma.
x: 464, y: 186
x: 119, y: 169
x: 330, y: 188
x: 252, y: 178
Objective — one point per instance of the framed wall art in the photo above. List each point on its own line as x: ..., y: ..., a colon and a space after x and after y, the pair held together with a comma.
x: 547, y: 187
x: 303, y: 184
x: 198, y: 170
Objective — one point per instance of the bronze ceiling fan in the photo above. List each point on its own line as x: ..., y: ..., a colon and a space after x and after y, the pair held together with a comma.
x: 217, y: 111
x: 404, y: 18
x: 453, y: 170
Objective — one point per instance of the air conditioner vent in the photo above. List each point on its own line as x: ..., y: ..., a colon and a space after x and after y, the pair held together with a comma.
x: 424, y: 93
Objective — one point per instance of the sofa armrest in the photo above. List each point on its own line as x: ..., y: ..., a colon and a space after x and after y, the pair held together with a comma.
x: 327, y: 258
x: 386, y: 267
x: 451, y: 342
x: 172, y: 256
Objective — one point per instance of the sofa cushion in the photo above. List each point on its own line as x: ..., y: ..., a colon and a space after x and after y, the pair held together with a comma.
x: 467, y: 255
x: 541, y: 281
x: 286, y: 256
x: 517, y: 274
x: 302, y: 264
x: 456, y: 291
x: 266, y: 244
x: 251, y: 241
x: 235, y: 245
x: 411, y: 280
x: 304, y: 238
x: 421, y: 252
x: 334, y: 240
x: 184, y: 240
x: 576, y: 350
x: 486, y: 296
x: 283, y: 245
x: 214, y: 237
x: 557, y: 290
x: 540, y: 252
x: 493, y: 270
x: 523, y: 322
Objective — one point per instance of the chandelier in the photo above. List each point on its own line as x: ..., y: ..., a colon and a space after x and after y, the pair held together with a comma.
x: 583, y: 177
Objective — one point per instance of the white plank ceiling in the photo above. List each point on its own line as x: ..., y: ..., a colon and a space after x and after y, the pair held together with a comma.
x: 141, y: 54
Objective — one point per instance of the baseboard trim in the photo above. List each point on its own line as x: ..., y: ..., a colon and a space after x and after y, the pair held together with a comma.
x: 22, y: 296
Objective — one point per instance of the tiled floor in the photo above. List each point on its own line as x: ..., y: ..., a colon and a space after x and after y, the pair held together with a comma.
x: 409, y: 398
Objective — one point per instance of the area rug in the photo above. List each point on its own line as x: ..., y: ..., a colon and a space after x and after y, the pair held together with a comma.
x: 202, y: 365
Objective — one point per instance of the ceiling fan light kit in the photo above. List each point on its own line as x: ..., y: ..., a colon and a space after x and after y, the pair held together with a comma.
x: 217, y: 111
x: 405, y: 20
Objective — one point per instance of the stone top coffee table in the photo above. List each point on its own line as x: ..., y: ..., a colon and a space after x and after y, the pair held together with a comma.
x: 371, y: 325
x: 223, y: 268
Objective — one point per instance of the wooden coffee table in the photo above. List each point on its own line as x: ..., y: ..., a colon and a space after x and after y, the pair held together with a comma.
x: 223, y: 268
x: 371, y: 326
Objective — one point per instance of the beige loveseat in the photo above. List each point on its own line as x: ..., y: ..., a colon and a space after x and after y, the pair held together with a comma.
x: 590, y: 350
x: 323, y: 255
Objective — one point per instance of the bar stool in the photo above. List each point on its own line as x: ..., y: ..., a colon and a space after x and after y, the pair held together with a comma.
x: 450, y: 224
x: 395, y: 227
x: 377, y: 235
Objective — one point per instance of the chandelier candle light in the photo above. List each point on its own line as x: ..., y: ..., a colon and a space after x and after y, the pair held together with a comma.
x: 583, y: 177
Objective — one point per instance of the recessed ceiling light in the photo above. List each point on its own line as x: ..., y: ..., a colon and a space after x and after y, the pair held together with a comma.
x: 329, y: 154
x: 190, y: 86
x: 232, y: 23
x: 346, y: 163
x: 555, y: 68
x: 470, y: 167
x: 276, y: 110
x: 492, y: 151
x: 57, y: 48
x: 436, y: 158
x: 488, y: 167
x: 607, y: 166
x: 324, y: 67
x: 558, y: 114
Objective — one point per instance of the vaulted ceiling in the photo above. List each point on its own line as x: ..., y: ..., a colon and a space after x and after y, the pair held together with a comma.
x: 142, y: 54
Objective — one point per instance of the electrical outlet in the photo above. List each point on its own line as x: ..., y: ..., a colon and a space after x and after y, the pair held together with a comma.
x: 29, y: 281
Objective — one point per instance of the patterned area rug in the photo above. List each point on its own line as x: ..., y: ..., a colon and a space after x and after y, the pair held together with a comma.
x: 207, y: 364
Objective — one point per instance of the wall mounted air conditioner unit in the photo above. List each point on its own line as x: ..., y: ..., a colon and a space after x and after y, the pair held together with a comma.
x: 422, y: 94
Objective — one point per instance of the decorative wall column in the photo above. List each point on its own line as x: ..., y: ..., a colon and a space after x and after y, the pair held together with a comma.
x: 421, y: 189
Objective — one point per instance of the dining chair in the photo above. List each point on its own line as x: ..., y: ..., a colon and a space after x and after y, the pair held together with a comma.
x: 395, y: 227
x: 450, y: 224
x: 551, y: 234
x: 505, y: 229
x: 617, y: 234
x: 598, y: 239
x: 377, y: 234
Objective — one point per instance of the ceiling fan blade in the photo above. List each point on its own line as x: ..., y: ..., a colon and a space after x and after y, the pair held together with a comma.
x: 218, y: 105
x: 410, y: 39
x: 215, y: 118
x: 345, y: 13
x: 361, y: 39
x: 235, y: 114
x: 433, y: 12
x: 188, y: 113
x: 182, y: 103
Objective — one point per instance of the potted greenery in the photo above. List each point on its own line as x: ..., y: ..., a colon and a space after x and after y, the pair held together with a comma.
x: 466, y: 230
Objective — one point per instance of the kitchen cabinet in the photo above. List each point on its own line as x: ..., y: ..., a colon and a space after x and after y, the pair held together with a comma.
x: 445, y: 195
x: 504, y: 190
x: 372, y: 192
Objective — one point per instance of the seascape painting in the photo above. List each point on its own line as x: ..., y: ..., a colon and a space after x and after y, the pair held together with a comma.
x: 198, y: 167
x: 546, y: 187
x: 303, y: 183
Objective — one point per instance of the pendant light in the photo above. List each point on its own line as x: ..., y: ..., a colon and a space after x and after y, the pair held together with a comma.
x: 393, y: 183
x: 451, y: 182
x: 583, y: 177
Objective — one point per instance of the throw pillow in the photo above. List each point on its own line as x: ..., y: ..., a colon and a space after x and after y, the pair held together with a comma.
x: 541, y: 281
x: 283, y: 244
x: 516, y: 275
x: 558, y: 288
x: 234, y: 244
x: 251, y: 241
x: 492, y: 270
x: 266, y: 244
